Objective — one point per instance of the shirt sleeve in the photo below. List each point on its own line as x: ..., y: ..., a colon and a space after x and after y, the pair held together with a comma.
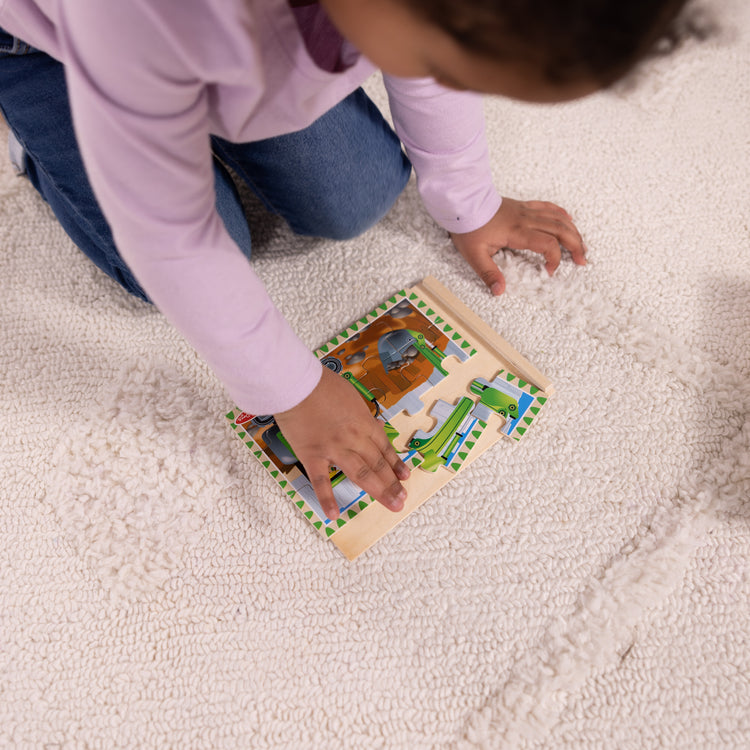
x: 141, y: 115
x: 443, y: 133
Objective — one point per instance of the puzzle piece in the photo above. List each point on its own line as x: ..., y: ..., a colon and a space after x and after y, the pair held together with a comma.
x: 514, y: 401
x: 456, y: 431
x: 396, y: 358
x: 347, y: 494
x: 457, y: 426
x: 350, y: 499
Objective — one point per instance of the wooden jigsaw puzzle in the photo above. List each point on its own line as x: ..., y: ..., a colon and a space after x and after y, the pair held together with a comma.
x: 444, y: 384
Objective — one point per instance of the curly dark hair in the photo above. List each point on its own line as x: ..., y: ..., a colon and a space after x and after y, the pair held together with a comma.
x: 566, y: 39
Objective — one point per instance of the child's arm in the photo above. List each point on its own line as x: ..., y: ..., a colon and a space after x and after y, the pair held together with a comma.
x: 142, y: 121
x: 443, y: 133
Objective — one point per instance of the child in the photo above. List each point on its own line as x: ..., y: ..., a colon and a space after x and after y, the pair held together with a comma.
x: 124, y: 114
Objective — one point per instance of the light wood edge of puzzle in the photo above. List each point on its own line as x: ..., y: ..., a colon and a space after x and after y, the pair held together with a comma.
x: 431, y: 289
x: 375, y: 521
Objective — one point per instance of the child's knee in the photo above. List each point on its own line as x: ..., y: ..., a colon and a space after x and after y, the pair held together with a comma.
x: 345, y: 217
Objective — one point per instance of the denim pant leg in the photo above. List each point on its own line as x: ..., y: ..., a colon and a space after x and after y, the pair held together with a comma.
x: 335, y: 179
x: 34, y: 103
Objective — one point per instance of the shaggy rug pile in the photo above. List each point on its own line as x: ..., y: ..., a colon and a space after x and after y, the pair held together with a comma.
x: 588, y: 587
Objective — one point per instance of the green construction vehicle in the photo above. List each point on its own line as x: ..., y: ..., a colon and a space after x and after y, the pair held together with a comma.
x: 495, y: 400
x: 438, y: 449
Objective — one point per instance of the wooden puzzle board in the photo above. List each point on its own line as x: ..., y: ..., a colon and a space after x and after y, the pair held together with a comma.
x: 445, y: 385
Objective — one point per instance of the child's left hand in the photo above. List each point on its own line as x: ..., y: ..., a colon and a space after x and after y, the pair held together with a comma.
x: 530, y: 225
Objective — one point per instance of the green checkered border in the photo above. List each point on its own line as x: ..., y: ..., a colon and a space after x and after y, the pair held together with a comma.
x: 461, y: 456
x: 420, y: 305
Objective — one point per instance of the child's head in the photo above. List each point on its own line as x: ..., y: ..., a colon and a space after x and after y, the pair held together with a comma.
x: 543, y: 50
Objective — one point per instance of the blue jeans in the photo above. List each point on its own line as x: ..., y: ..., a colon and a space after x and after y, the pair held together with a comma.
x: 334, y: 179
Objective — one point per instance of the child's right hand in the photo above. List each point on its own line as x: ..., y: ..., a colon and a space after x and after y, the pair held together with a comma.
x: 334, y: 427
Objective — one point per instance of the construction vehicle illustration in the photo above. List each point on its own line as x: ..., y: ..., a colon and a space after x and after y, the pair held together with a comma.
x: 496, y: 400
x: 399, y: 348
x: 500, y: 397
x: 454, y: 425
x: 455, y: 422
x: 396, y: 359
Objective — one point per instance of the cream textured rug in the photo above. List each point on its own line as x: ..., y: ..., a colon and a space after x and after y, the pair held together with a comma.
x: 588, y: 587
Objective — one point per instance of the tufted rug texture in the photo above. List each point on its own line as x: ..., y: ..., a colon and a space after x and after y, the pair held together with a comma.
x: 588, y: 587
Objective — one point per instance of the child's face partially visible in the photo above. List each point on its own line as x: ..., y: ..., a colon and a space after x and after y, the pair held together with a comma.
x: 401, y: 43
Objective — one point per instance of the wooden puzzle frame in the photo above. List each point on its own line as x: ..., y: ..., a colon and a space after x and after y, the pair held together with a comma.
x: 477, y: 361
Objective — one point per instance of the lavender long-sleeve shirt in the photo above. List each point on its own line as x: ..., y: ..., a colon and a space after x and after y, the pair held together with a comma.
x: 149, y: 80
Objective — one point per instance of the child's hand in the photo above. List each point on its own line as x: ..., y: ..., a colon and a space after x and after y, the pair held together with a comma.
x: 531, y: 225
x: 334, y: 427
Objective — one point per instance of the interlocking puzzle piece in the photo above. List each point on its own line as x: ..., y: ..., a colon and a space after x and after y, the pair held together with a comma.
x: 396, y: 356
x: 453, y: 436
x: 347, y: 494
x: 516, y: 403
x: 262, y: 435
x: 411, y: 402
x: 350, y: 499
